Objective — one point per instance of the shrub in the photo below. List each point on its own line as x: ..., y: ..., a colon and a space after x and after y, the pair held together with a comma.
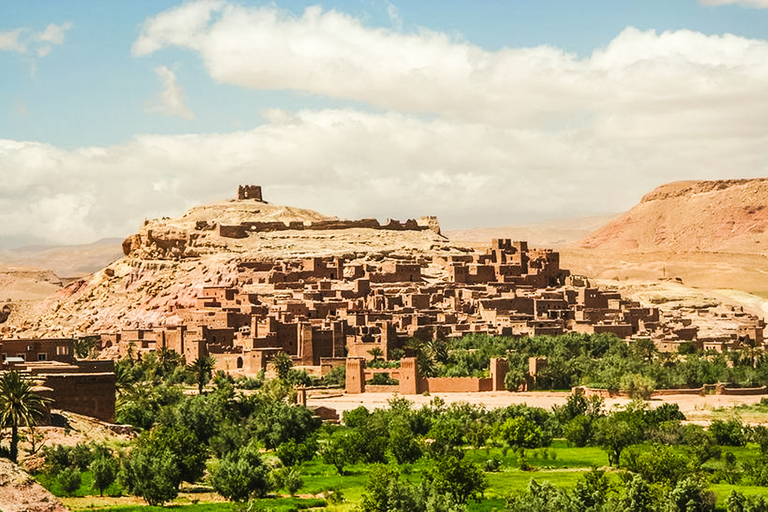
x: 69, y: 480
x: 240, y: 475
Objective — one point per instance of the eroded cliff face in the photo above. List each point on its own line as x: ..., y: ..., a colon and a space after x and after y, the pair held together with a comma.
x: 692, y: 216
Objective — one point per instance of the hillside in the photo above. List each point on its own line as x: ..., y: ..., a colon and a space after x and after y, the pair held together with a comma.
x: 692, y: 216
x: 167, y: 262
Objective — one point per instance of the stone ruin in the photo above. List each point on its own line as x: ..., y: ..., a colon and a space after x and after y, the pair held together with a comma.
x: 249, y: 192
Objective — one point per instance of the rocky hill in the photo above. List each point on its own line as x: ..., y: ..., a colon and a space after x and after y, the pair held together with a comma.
x: 692, y: 216
x: 168, y: 262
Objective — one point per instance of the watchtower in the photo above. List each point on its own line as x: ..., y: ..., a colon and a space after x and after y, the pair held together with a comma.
x: 249, y: 192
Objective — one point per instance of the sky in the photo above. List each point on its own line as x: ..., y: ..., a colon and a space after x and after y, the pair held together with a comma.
x: 484, y: 113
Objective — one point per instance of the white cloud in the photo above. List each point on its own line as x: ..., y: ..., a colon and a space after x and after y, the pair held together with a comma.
x: 394, y: 16
x: 352, y: 164
x: 42, y: 42
x: 9, y: 41
x: 332, y: 54
x: 759, y: 4
x: 171, y: 100
x: 513, y: 135
x: 54, y: 34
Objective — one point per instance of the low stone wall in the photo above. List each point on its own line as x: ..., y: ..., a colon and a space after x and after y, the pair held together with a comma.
x: 687, y: 391
x: 242, y: 230
x: 370, y: 388
x: 742, y: 391
x: 456, y: 384
x: 718, y: 389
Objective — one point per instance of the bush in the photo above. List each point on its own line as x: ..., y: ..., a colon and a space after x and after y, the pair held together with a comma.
x: 638, y: 386
x: 382, y: 379
x: 104, y: 471
x: 728, y: 433
x: 69, y: 480
x: 240, y: 475
x: 491, y: 465
x: 151, y: 475
x: 691, y: 495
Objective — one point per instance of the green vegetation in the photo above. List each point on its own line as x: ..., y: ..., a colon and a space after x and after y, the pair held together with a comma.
x: 256, y: 448
x: 19, y: 406
x: 596, y: 360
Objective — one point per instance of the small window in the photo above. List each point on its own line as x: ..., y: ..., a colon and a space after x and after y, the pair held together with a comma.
x: 42, y: 357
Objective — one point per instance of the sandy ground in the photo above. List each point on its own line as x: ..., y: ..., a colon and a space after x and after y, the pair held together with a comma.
x: 696, y: 408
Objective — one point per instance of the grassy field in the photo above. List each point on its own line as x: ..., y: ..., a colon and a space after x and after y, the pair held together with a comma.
x: 559, y: 464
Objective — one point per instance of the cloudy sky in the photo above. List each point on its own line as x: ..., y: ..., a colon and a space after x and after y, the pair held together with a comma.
x: 485, y: 113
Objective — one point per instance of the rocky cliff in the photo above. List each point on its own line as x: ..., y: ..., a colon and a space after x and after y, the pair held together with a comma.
x: 692, y: 216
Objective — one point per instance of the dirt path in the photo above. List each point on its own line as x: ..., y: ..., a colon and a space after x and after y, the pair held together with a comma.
x: 696, y: 408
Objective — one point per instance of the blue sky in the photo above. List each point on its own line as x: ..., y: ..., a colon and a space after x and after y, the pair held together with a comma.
x: 484, y: 113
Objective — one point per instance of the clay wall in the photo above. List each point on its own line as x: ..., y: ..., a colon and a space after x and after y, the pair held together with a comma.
x: 91, y: 394
x: 456, y: 385
x: 592, y: 298
x: 242, y: 230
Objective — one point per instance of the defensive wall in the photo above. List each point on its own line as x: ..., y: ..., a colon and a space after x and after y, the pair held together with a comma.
x: 244, y: 228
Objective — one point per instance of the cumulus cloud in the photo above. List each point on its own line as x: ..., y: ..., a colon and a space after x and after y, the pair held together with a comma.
x: 759, y: 4
x: 333, y: 54
x: 353, y: 164
x: 171, y: 101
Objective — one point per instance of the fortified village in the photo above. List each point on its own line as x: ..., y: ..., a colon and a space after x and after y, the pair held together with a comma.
x: 327, y: 310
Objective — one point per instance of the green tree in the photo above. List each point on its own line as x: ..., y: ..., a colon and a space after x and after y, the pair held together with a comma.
x: 69, y: 480
x: 282, y: 363
x: 520, y: 432
x: 338, y: 451
x: 188, y: 452
x: 403, y: 444
x: 151, y: 475
x: 618, y: 430
x: 19, y: 405
x: 637, y: 497
x: 104, y: 470
x: 241, y: 474
x: 460, y: 478
x: 691, y: 495
x: 202, y: 369
x: 542, y: 497
x: 593, y: 489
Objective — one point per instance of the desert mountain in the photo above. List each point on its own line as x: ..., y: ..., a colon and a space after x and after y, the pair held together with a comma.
x: 692, y: 216
x: 167, y: 262
x: 65, y: 260
x: 555, y: 234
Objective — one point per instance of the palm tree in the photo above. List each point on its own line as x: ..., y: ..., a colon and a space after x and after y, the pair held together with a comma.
x: 19, y: 405
x: 377, y: 353
x: 202, y: 368
x: 282, y: 363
